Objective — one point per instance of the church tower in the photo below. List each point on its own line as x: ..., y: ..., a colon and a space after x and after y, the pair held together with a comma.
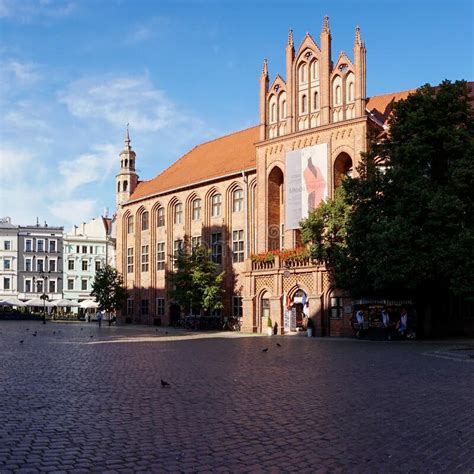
x: 127, y: 178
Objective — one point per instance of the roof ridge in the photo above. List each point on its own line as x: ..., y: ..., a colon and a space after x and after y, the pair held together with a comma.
x: 194, y: 148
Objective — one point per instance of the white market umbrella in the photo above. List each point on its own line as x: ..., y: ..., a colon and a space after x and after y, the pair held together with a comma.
x: 39, y: 302
x: 87, y: 304
x: 12, y: 302
x: 64, y: 303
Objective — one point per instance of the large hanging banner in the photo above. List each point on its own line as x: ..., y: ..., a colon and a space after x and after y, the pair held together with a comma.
x: 306, y: 180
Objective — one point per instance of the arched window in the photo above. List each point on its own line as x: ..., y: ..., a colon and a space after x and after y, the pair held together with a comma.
x: 316, y: 101
x: 126, y: 163
x: 273, y: 112
x: 178, y: 213
x: 351, y: 91
x: 118, y: 187
x: 304, y: 104
x: 160, y: 217
x: 130, y: 225
x: 303, y: 72
x: 338, y: 95
x: 216, y: 202
x: 145, y: 220
x: 196, y: 209
x: 283, y: 109
x: 314, y: 71
x: 238, y: 200
x: 125, y: 186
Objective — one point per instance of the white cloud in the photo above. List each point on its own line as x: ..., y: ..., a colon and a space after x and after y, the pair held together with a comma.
x: 28, y: 10
x: 12, y: 163
x: 122, y: 100
x: 19, y: 73
x: 147, y: 30
x: 75, y: 210
x: 87, y: 168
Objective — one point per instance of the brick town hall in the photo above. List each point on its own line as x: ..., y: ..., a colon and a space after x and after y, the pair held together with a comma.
x: 244, y: 194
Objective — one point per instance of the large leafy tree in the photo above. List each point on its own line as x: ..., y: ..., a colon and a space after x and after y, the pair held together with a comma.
x: 108, y: 289
x: 196, y: 282
x: 409, y: 226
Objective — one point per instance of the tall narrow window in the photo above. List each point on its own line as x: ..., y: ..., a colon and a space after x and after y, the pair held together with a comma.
x: 145, y: 219
x: 272, y: 117
x: 52, y: 265
x: 237, y: 306
x: 283, y: 110
x: 40, y: 245
x: 216, y: 247
x: 52, y: 246
x: 40, y: 265
x: 196, y: 210
x: 52, y: 286
x: 178, y: 213
x: 125, y: 186
x: 177, y: 248
x: 160, y: 256
x: 144, y: 258
x: 316, y: 101
x: 304, y: 104
x: 195, y: 242
x: 130, y: 260
x: 130, y: 225
x: 338, y: 95
x: 237, y: 246
x: 216, y: 202
x: 144, y: 308
x: 160, y: 306
x: 28, y: 245
x: 160, y: 217
x: 238, y: 200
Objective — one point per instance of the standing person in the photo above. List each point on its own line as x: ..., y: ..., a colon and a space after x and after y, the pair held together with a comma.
x: 99, y: 317
x: 403, y: 323
x: 385, y: 324
x: 360, y: 322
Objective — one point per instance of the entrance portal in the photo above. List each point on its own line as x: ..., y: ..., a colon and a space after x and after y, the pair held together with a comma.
x: 265, y: 314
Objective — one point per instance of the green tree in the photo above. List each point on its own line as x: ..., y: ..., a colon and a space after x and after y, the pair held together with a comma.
x: 108, y: 289
x: 196, y: 281
x: 410, y: 225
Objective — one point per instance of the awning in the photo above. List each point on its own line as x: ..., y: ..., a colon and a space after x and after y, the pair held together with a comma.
x: 382, y: 301
x: 64, y: 303
x: 40, y: 303
x: 87, y: 304
x: 12, y: 302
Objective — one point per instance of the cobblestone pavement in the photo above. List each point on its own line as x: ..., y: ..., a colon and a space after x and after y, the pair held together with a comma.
x: 78, y: 398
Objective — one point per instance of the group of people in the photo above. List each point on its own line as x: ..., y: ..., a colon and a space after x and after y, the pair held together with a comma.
x: 400, y: 329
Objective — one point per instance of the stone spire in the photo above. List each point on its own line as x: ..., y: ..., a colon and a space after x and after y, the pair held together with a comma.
x: 357, y: 40
x: 291, y: 42
x: 326, y: 25
x: 127, y: 139
x: 265, y: 68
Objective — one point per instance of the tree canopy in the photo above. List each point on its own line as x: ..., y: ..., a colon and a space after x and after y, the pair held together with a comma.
x: 108, y: 289
x: 405, y: 222
x: 196, y: 282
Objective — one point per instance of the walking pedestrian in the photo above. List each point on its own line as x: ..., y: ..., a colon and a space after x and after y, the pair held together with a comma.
x: 99, y: 317
x: 385, y: 324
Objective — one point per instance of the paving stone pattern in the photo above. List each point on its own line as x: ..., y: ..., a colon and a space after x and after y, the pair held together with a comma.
x: 74, y: 403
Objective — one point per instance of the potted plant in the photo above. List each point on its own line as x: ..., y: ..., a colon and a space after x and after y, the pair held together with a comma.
x: 310, y: 327
x: 269, y: 327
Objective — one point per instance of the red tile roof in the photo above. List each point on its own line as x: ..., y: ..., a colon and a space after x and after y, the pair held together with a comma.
x: 223, y: 156
x: 382, y: 105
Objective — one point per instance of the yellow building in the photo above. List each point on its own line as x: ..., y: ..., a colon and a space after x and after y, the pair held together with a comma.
x: 243, y: 195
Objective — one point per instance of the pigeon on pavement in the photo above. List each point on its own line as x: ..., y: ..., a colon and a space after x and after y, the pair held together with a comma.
x: 265, y: 350
x: 164, y: 383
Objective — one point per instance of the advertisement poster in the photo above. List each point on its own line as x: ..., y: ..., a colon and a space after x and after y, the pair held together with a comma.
x: 306, y: 182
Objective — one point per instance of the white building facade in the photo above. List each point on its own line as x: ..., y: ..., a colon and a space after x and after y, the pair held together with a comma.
x: 8, y: 258
x: 87, y: 248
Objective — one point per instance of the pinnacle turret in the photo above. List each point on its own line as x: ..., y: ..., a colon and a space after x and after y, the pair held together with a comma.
x: 357, y: 40
x: 326, y: 25
x: 291, y: 42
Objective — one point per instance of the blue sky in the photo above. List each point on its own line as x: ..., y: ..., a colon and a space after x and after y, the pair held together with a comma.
x: 74, y: 72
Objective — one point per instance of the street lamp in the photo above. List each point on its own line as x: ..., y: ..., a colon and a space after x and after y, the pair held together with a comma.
x: 44, y: 296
